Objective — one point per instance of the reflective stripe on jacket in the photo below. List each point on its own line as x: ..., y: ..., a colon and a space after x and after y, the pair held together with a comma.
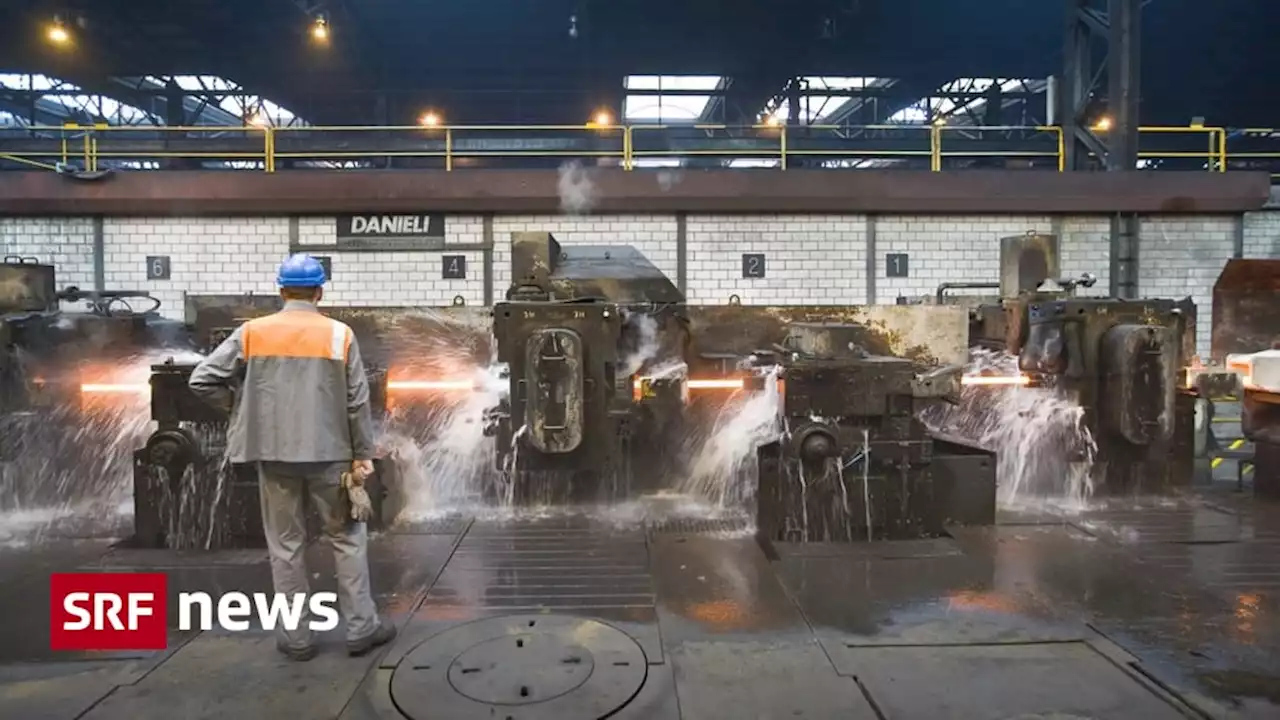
x: 301, y: 394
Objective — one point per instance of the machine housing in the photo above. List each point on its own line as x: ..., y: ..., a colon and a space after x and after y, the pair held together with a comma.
x: 607, y: 376
x: 577, y: 327
x: 1122, y: 360
x: 854, y: 461
x: 55, y: 427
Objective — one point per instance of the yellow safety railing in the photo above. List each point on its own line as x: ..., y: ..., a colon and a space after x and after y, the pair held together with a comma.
x: 1217, y: 150
x: 1059, y: 152
x: 83, y: 142
x: 457, y: 145
x: 1273, y: 155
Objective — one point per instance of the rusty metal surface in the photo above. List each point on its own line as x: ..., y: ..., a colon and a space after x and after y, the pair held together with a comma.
x: 536, y: 191
x: 418, y: 339
x: 543, y: 269
x: 27, y: 287
x: 1026, y: 261
x: 1141, y: 368
x: 1246, y: 307
x: 929, y: 335
x: 1122, y: 360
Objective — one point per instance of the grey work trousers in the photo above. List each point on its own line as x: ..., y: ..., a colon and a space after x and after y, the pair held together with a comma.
x: 282, y: 487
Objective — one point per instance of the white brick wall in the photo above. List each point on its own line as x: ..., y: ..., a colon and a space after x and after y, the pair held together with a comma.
x: 1085, y: 247
x: 652, y: 235
x: 1262, y: 234
x: 400, y: 279
x: 809, y: 259
x: 945, y: 248
x: 206, y: 256
x: 66, y: 243
x: 1180, y: 256
x: 240, y: 255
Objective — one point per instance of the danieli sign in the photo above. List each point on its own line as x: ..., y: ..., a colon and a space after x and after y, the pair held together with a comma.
x: 417, y: 231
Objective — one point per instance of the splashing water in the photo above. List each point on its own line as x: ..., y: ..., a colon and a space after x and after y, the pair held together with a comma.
x: 448, y: 470
x: 72, y: 461
x: 723, y: 467
x: 194, y: 508
x: 1045, y: 451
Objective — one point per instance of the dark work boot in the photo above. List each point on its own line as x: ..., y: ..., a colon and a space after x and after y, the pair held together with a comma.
x: 383, y: 635
x: 301, y: 654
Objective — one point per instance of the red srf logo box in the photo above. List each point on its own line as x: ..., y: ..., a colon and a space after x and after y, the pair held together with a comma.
x: 108, y: 611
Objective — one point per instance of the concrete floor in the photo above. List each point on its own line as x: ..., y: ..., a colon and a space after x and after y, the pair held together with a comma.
x: 1163, y: 609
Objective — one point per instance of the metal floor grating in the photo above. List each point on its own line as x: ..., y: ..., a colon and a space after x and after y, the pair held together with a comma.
x: 701, y: 526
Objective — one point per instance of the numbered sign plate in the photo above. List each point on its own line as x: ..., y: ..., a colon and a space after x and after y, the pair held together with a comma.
x: 158, y: 267
x: 753, y: 265
x: 895, y: 265
x: 454, y: 267
x: 326, y: 262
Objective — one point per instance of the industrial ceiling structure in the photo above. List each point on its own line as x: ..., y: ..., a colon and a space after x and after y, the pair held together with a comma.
x: 558, y: 62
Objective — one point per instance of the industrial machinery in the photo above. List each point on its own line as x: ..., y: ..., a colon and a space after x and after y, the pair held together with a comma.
x: 854, y: 461
x: 187, y: 495
x: 577, y: 326
x: 1260, y: 417
x: 608, y: 380
x: 59, y: 370
x: 610, y: 370
x: 46, y: 347
x: 1244, y: 361
x: 1122, y: 360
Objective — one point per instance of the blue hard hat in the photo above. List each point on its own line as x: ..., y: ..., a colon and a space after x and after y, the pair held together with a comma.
x: 302, y: 271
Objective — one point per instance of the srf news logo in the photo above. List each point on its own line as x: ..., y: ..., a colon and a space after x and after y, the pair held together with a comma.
x: 130, y: 611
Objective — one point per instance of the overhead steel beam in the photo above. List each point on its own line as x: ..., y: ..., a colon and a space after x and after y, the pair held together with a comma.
x: 1111, y: 83
x: 37, y: 114
x: 1124, y: 71
x: 537, y: 191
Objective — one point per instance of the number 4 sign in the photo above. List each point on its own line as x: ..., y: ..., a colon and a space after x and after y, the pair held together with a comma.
x: 454, y: 267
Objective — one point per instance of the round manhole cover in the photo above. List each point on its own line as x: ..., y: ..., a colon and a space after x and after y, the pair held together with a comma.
x: 520, y: 667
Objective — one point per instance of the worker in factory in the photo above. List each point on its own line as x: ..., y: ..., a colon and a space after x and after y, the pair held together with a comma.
x: 295, y: 387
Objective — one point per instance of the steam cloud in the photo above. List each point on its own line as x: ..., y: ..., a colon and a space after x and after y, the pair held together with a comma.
x: 577, y: 191
x: 647, y: 345
x: 668, y: 179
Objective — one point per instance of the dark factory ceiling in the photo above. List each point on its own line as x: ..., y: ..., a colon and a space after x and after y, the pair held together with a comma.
x: 558, y: 61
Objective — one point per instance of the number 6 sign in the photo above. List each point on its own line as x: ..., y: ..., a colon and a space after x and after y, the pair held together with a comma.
x: 157, y: 267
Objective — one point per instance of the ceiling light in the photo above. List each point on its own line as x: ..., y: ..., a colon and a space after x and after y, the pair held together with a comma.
x: 429, y: 119
x: 320, y: 29
x: 602, y: 118
x: 1103, y: 124
x: 57, y: 32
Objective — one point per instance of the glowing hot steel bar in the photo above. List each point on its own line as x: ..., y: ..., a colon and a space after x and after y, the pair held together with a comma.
x: 714, y: 384
x: 115, y: 388
x: 995, y: 380
x: 431, y: 385
x: 459, y: 385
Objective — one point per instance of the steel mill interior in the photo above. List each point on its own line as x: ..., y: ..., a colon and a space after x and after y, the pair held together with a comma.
x: 759, y: 365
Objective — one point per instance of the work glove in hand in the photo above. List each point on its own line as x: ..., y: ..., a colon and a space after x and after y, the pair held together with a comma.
x: 357, y: 498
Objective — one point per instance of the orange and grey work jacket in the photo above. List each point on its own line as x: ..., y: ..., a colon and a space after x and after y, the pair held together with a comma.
x: 300, y: 392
